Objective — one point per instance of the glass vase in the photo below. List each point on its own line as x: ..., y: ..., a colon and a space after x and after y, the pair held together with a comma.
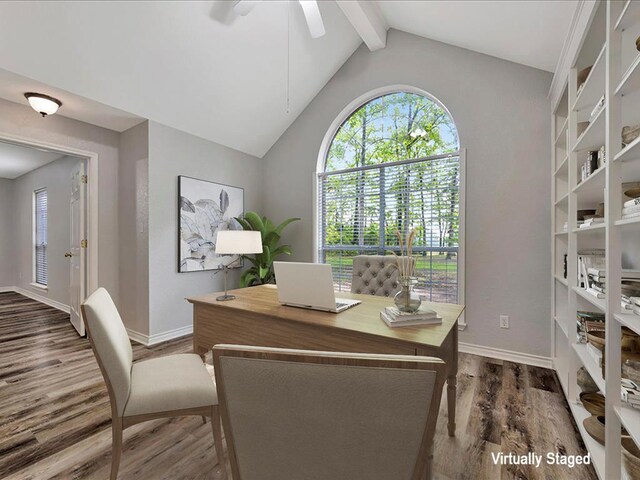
x: 407, y: 300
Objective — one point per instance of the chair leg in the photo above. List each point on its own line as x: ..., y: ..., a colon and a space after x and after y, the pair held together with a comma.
x: 217, y: 439
x: 116, y: 446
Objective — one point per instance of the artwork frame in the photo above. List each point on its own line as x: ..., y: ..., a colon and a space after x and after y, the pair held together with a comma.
x: 204, y: 207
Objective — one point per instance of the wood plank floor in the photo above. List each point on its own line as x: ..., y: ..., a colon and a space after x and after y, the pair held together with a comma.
x: 55, y: 417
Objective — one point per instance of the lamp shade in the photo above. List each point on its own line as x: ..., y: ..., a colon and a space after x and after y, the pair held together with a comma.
x: 238, y: 242
x: 43, y: 104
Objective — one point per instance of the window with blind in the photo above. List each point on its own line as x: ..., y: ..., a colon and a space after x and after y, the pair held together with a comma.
x: 40, y: 247
x: 393, y: 165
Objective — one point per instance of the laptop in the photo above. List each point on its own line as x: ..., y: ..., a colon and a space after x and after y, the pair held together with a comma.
x: 309, y: 285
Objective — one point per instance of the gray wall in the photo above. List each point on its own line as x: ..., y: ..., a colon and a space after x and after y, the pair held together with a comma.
x: 173, y: 153
x: 133, y: 226
x: 56, y: 178
x: 7, y: 254
x: 22, y: 121
x: 502, y: 114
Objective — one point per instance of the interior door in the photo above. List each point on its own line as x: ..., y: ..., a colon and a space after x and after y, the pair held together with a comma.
x: 78, y: 251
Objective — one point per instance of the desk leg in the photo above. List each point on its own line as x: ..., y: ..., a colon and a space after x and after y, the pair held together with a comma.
x: 451, y: 382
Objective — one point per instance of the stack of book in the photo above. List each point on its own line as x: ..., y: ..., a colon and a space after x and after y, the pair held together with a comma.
x: 395, y: 318
x: 631, y: 209
x: 587, y: 317
x: 631, y: 304
x: 630, y: 393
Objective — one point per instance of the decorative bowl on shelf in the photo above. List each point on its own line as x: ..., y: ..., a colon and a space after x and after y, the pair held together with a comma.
x: 593, y: 402
x: 631, y: 189
x: 631, y: 458
x: 596, y: 338
x: 638, y: 44
x: 594, y: 425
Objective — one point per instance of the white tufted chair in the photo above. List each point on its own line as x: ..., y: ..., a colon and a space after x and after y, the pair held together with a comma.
x: 375, y: 275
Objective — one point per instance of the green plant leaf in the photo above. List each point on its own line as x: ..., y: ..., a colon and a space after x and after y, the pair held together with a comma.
x: 280, y: 227
x: 245, y: 225
x: 255, y: 221
x: 282, y: 250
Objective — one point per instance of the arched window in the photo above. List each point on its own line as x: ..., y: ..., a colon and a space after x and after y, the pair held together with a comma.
x: 393, y: 165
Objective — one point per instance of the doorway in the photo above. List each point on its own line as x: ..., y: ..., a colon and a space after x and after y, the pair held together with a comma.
x: 46, y: 223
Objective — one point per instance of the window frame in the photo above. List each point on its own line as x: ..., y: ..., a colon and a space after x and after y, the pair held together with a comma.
x: 35, y: 280
x: 323, y: 152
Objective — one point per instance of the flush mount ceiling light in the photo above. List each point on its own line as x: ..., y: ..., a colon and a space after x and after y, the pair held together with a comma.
x: 43, y: 104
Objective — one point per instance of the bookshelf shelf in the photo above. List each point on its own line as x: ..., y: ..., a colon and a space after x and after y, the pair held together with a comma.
x: 594, y: 85
x: 629, y: 152
x: 591, y: 366
x: 629, y: 15
x: 630, y: 418
x: 596, y: 302
x: 563, y: 199
x: 630, y: 320
x: 593, y: 447
x: 561, y: 138
x: 562, y: 324
x: 563, y: 168
x: 562, y: 280
x: 598, y: 228
x: 631, y: 79
x: 630, y: 224
x: 594, y: 135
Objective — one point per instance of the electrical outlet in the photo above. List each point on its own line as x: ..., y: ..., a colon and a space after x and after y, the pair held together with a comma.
x: 504, y: 321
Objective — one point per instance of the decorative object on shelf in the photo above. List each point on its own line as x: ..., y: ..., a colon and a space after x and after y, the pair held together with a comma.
x: 564, y: 266
x: 594, y: 425
x: 593, y: 258
x: 638, y: 44
x: 629, y: 134
x: 631, y: 370
x: 582, y: 213
x: 585, y: 381
x: 584, y: 318
x: 236, y: 242
x: 593, y: 402
x: 596, y: 338
x: 631, y: 189
x: 600, y: 210
x: 582, y: 76
x: 631, y: 458
x: 407, y: 300
x: 206, y: 208
x: 631, y: 208
x: 261, y: 271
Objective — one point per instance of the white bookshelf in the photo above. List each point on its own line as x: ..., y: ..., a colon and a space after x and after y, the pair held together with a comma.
x: 608, y: 45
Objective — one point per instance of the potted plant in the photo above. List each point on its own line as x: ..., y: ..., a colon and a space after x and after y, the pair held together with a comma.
x: 261, y: 271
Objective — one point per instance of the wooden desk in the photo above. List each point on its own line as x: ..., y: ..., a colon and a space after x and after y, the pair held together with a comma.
x: 256, y: 318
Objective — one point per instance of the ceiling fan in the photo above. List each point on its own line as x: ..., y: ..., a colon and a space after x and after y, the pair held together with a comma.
x: 309, y: 8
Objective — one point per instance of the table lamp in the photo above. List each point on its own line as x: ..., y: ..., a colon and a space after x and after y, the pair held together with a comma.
x: 236, y: 242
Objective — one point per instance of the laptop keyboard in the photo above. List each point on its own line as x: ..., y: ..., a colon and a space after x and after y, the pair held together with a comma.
x: 339, y: 305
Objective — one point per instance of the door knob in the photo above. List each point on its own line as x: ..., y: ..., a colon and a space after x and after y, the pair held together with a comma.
x: 68, y: 255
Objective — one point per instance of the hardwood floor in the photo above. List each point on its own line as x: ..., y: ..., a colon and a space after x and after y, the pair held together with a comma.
x: 55, y: 417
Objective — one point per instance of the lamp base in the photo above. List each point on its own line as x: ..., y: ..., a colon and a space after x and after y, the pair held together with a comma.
x: 224, y: 298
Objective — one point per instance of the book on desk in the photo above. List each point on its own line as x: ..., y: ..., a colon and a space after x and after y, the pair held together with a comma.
x: 394, y: 318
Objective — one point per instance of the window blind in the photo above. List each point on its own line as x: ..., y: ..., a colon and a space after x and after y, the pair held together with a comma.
x: 41, y: 237
x: 361, y: 208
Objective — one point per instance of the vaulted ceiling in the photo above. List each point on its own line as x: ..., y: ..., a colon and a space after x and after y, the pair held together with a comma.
x: 240, y: 81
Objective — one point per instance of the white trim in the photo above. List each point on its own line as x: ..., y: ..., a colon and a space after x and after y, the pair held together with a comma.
x: 92, y: 214
x: 39, y: 286
x: 37, y: 297
x: 508, y: 355
x: 149, y: 340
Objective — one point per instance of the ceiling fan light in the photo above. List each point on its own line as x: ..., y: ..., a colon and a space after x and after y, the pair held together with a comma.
x: 43, y: 104
x: 243, y: 7
x: 313, y: 17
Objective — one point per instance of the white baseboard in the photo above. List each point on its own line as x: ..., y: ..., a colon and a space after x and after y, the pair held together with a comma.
x: 149, y: 340
x: 37, y: 297
x: 508, y: 355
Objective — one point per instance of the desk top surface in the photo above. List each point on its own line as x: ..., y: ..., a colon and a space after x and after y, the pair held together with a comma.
x: 363, y: 318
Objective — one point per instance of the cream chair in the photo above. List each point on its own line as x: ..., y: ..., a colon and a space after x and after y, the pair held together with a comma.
x: 170, y: 386
x: 298, y: 414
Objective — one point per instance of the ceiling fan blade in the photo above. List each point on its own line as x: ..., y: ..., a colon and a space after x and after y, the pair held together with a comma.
x: 313, y: 17
x: 243, y: 7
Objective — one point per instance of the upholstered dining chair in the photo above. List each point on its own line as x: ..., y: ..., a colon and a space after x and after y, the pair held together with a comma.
x: 169, y: 386
x: 299, y: 414
x: 375, y: 275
